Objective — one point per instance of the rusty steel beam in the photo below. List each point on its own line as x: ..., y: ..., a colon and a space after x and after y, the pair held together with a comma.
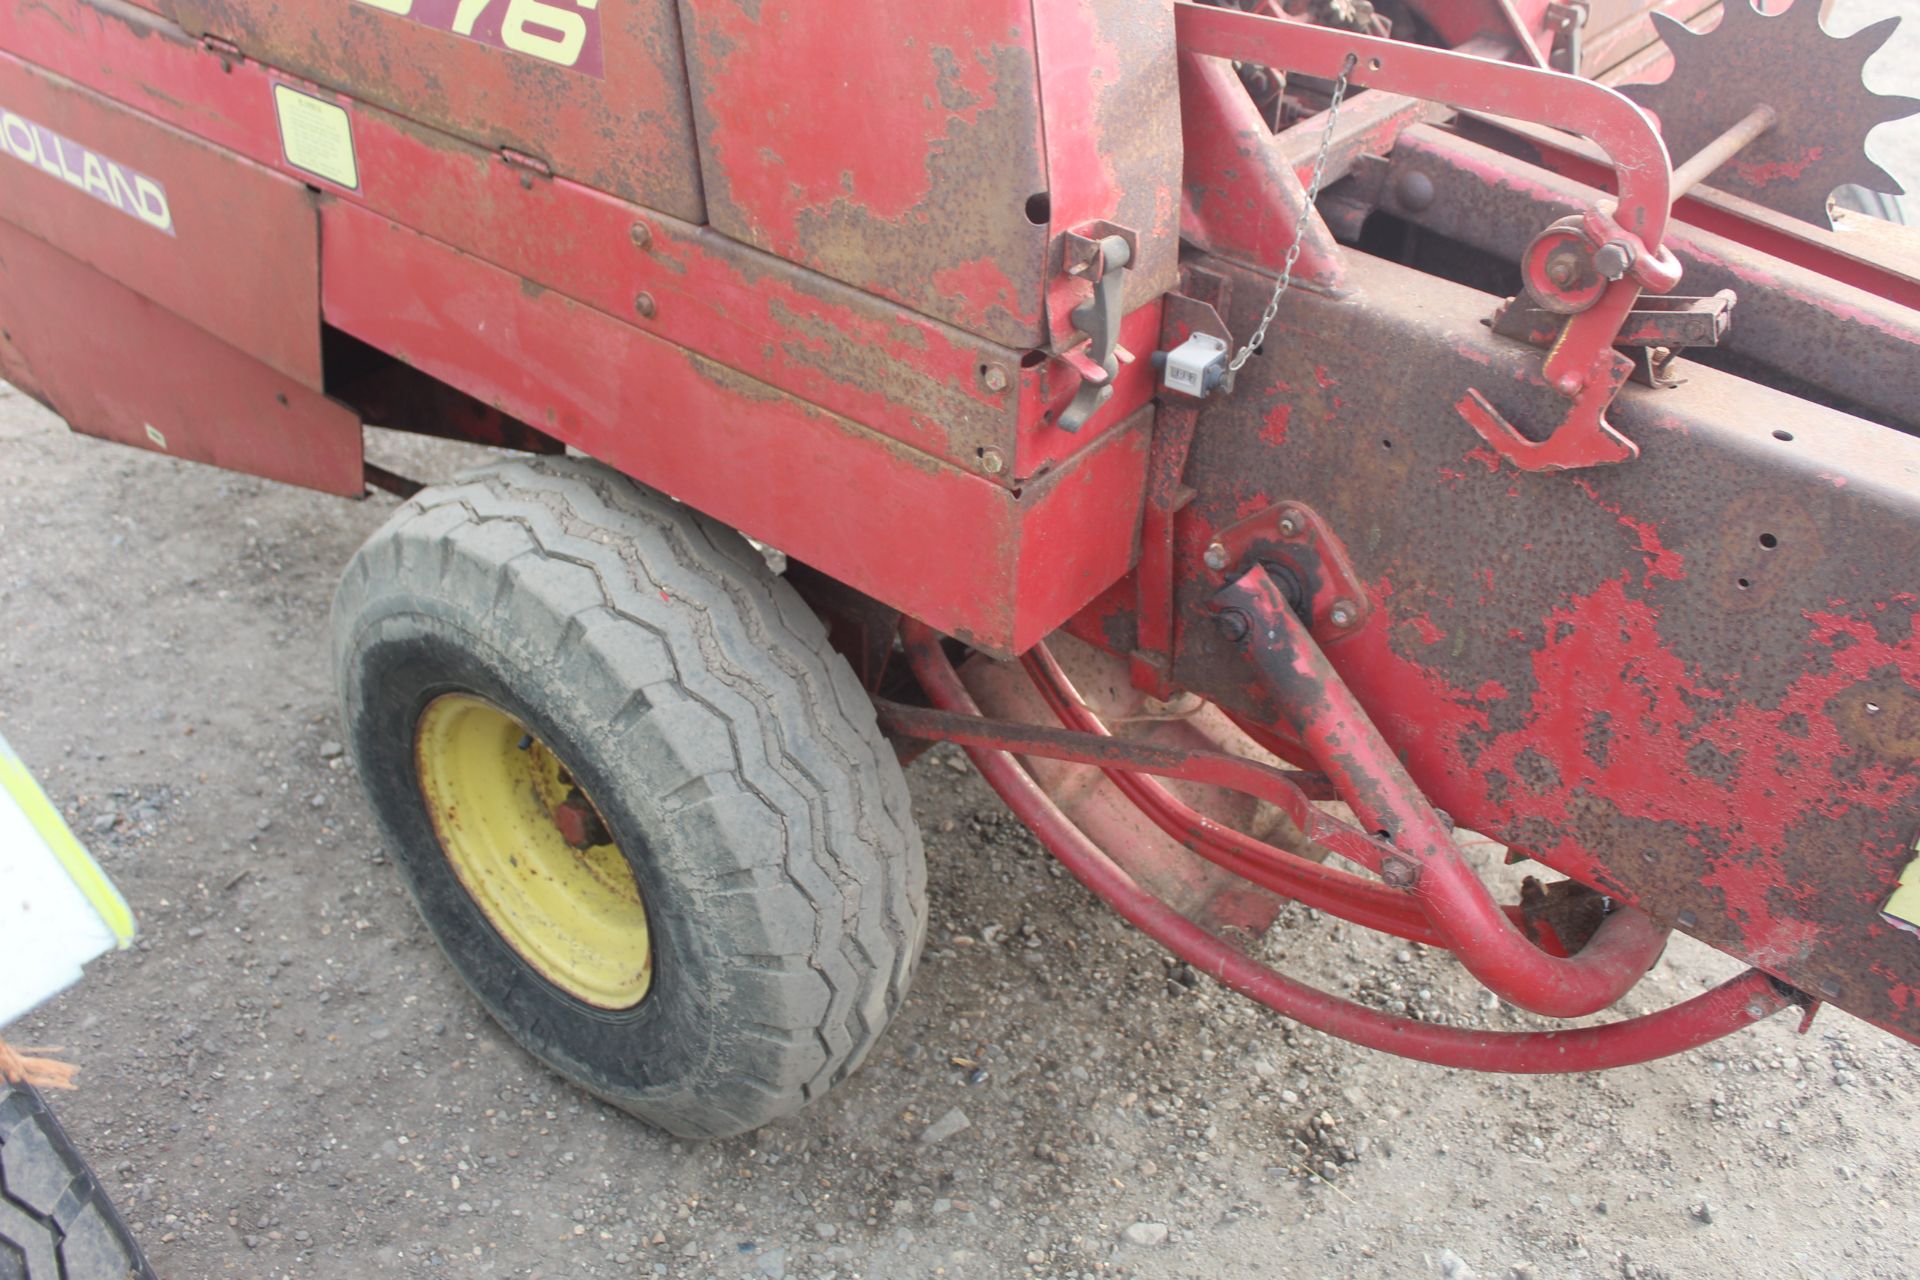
x: 1788, y: 318
x: 1690, y: 681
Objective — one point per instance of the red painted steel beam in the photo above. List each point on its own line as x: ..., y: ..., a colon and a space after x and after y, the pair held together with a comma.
x: 1733, y: 1005
x: 1837, y: 256
x: 1690, y: 683
x: 1242, y: 198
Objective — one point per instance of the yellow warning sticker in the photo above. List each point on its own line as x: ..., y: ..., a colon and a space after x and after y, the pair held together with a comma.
x: 316, y: 136
x: 1903, y: 908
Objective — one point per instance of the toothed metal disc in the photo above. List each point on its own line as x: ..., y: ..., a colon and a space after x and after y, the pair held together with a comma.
x: 1810, y: 79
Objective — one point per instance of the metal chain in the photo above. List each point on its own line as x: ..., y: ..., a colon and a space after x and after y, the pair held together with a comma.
x: 1285, y: 281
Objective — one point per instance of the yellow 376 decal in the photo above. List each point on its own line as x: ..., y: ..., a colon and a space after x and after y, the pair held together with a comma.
x: 563, y: 32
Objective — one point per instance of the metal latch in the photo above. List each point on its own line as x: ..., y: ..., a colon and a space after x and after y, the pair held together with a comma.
x: 1103, y: 261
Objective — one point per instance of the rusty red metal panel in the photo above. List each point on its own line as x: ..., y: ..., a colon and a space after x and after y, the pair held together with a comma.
x: 954, y: 395
x: 1109, y: 99
x: 974, y: 558
x: 118, y: 365
x: 176, y: 220
x: 595, y: 91
x: 1691, y: 681
x: 1619, y: 36
x: 899, y: 151
x: 1080, y: 530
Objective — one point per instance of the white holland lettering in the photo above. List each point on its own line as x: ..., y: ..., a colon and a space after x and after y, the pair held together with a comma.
x: 108, y: 181
x: 96, y: 178
x: 19, y: 136
x: 40, y: 135
x: 121, y: 195
x: 153, y: 203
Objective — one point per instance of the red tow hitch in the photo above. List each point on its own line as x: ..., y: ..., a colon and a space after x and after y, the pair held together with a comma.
x: 1425, y: 892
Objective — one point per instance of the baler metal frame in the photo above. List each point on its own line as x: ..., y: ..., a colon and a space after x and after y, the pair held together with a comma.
x: 1593, y: 673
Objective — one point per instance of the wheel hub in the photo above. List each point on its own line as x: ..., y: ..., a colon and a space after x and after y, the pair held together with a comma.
x: 533, y: 852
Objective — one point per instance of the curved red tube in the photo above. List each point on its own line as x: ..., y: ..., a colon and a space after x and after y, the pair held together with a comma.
x: 1363, y: 902
x: 1371, y: 779
x: 1727, y: 1008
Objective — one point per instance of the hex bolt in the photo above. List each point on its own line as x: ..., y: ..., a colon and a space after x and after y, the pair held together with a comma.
x: 1343, y: 614
x: 994, y: 378
x: 1233, y: 625
x: 1290, y: 524
x: 644, y: 305
x: 1562, y: 271
x: 642, y: 235
x: 1216, y: 556
x: 1399, y: 873
x: 1613, y: 259
x: 992, y: 462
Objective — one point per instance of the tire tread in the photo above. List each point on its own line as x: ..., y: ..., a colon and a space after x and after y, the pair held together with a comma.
x: 745, y: 651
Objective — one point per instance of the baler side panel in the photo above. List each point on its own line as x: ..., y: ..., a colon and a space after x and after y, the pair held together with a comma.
x: 117, y: 365
x: 616, y: 117
x: 926, y: 537
x: 926, y: 383
x: 174, y: 219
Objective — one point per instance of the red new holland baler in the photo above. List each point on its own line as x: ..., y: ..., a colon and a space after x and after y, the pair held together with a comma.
x: 1271, y: 438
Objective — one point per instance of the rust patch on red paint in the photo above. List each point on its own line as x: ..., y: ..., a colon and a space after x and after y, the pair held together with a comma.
x: 922, y: 196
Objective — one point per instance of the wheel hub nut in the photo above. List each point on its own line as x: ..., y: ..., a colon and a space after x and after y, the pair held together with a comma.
x: 579, y: 825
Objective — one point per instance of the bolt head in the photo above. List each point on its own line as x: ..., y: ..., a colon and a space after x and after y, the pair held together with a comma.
x: 1613, y: 259
x: 994, y: 378
x: 1343, y: 614
x: 1216, y: 556
x: 1413, y: 189
x: 643, y: 304
x: 1562, y: 271
x: 642, y: 235
x: 1233, y: 625
x: 992, y: 462
x: 1290, y: 524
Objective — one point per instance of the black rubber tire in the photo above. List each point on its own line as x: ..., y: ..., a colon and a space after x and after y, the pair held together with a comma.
x: 56, y: 1222
x: 729, y: 748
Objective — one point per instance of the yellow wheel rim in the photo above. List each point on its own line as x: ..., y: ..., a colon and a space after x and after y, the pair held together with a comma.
x: 532, y: 851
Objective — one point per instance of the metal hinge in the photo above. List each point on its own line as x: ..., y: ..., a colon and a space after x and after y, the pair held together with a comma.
x: 530, y: 167
x: 226, y: 50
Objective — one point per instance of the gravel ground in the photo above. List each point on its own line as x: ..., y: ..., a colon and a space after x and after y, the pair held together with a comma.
x: 283, y: 1078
